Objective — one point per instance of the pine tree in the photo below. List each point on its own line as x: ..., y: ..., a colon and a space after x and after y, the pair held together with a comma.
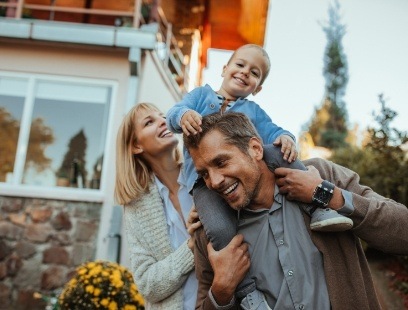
x: 328, y: 126
x: 73, y: 165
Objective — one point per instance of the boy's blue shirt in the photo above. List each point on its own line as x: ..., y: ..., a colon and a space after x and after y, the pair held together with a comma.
x: 204, y: 100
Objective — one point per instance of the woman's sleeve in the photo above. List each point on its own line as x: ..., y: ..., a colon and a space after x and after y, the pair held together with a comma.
x: 156, y: 279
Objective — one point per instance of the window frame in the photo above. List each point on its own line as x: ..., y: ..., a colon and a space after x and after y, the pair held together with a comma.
x: 16, y: 187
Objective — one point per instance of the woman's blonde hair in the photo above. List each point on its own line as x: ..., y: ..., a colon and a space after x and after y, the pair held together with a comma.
x: 133, y: 173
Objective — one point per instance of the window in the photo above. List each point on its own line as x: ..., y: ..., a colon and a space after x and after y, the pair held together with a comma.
x: 53, y: 130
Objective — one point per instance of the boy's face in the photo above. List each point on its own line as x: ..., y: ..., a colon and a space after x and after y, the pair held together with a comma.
x: 243, y: 74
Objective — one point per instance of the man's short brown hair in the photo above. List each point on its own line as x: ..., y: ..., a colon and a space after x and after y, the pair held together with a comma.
x: 235, y: 127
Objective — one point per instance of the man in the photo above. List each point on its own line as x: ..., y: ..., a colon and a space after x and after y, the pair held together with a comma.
x: 294, y: 267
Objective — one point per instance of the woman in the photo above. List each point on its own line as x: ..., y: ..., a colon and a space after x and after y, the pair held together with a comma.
x: 158, y: 214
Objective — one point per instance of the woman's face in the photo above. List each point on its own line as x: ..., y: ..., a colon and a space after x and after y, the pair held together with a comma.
x: 152, y: 135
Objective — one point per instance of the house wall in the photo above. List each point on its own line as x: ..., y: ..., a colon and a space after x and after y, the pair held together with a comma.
x: 155, y: 84
x: 42, y: 240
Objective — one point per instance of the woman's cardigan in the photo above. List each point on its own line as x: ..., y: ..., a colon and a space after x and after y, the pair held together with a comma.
x: 158, y: 269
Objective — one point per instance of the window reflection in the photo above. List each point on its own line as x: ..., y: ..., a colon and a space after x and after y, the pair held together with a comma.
x: 12, y: 92
x: 67, y: 132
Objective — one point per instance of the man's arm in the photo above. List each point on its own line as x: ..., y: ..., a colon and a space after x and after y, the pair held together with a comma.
x: 219, y: 271
x: 381, y: 222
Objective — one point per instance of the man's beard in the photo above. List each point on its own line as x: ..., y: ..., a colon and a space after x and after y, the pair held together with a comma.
x: 249, y: 196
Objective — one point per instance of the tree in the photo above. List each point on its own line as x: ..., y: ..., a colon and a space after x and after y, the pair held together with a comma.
x: 8, y: 146
x: 328, y: 126
x: 382, y: 164
x: 73, y: 165
x: 40, y: 137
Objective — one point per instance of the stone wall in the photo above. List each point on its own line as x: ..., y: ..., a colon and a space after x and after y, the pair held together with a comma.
x: 41, y: 243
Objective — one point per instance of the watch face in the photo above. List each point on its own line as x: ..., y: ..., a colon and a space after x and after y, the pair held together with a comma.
x: 322, y: 196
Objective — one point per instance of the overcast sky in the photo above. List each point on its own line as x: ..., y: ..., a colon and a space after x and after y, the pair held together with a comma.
x: 376, y: 46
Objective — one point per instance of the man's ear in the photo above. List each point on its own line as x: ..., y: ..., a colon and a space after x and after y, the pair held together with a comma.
x: 256, y: 148
x: 257, y: 90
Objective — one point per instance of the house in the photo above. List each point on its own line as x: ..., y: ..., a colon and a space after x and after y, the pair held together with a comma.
x: 69, y: 72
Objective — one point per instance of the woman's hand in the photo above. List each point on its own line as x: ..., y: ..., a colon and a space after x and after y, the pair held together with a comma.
x: 193, y: 222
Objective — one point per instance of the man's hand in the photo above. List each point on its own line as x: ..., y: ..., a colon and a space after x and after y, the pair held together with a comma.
x: 298, y: 184
x: 288, y: 147
x: 191, y: 122
x: 230, y: 266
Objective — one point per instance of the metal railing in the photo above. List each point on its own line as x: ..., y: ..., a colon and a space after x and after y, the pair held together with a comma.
x: 171, y: 55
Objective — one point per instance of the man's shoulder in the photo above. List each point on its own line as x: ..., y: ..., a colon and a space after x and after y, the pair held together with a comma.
x: 317, y: 162
x: 201, y: 240
x: 321, y: 164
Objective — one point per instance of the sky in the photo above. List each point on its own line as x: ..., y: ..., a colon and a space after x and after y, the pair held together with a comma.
x: 375, y: 44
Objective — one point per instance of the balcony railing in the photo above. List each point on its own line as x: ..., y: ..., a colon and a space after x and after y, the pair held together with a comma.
x: 117, y: 13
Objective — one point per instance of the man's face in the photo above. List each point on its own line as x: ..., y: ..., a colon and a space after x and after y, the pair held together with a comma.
x: 227, y: 170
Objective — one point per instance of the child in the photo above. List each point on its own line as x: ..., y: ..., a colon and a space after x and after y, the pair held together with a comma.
x: 244, y: 74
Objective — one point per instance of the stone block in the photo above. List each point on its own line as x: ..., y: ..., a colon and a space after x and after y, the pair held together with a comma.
x: 38, y: 232
x: 29, y: 275
x: 90, y: 210
x: 61, y: 221
x: 26, y: 300
x: 82, y: 253
x: 56, y: 255
x: 18, y: 219
x: 4, y: 249
x: 5, y: 296
x: 53, y: 277
x: 13, y: 264
x: 10, y: 231
x: 40, y: 215
x: 3, y: 270
x: 62, y: 238
x: 85, y: 230
x: 12, y: 204
x: 25, y: 249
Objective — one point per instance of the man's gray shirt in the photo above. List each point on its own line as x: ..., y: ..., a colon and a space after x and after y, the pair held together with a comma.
x: 282, y: 269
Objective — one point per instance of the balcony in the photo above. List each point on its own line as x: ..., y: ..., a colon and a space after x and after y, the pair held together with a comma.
x: 101, y: 22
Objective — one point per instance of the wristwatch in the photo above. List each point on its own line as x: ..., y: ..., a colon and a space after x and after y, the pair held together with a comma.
x: 322, y: 194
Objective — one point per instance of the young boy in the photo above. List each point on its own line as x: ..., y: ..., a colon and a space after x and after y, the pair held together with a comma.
x: 243, y: 75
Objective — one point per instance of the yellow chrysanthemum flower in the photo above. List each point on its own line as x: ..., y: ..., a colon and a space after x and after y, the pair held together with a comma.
x: 113, y: 306
x: 101, y: 285
x: 105, y: 302
x: 89, y: 289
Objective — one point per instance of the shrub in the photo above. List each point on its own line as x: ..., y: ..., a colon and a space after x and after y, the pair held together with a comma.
x: 101, y: 285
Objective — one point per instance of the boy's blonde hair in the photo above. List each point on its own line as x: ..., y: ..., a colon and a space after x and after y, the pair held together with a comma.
x: 133, y: 173
x: 264, y: 53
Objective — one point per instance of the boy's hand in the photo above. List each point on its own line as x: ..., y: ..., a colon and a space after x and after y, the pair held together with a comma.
x: 288, y: 147
x: 191, y: 122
